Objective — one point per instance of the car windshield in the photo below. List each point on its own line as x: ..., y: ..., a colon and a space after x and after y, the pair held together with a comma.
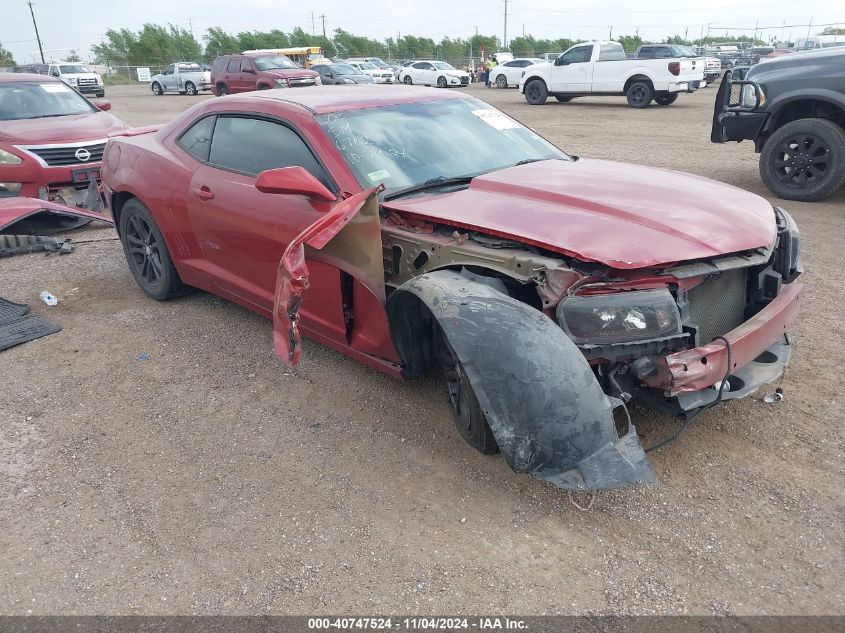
x: 378, y: 62
x: 344, y: 69
x: 34, y: 100
x: 274, y: 62
x: 443, y: 66
x: 69, y: 69
x: 412, y: 143
x: 366, y: 66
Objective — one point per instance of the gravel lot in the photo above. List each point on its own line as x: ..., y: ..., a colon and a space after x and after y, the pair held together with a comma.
x: 212, y: 479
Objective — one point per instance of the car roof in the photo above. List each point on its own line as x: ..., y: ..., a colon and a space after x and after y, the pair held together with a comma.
x: 325, y: 99
x: 9, y: 77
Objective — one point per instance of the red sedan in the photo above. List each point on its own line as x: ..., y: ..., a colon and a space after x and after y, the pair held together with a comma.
x: 421, y: 231
x: 51, y: 140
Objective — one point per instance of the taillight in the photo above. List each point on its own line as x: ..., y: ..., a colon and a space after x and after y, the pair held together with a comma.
x: 675, y: 68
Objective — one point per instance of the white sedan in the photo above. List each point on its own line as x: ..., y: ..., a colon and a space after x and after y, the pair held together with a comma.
x: 368, y: 68
x: 433, y: 73
x: 509, y: 73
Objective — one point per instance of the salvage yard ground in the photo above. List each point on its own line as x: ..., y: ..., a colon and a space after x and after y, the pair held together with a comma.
x: 212, y: 479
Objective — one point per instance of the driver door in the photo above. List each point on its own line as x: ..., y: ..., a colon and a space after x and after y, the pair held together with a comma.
x: 169, y: 78
x: 570, y: 72
x: 424, y: 73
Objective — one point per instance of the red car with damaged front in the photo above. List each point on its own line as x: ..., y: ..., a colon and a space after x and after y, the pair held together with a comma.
x: 418, y: 231
x: 51, y: 140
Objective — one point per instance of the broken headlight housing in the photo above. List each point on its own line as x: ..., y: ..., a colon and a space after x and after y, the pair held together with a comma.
x: 623, y: 317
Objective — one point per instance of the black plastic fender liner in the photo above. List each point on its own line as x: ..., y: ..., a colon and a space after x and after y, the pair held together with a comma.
x: 542, y: 401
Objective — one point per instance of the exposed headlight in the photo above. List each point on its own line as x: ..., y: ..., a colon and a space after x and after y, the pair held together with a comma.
x: 7, y: 158
x: 10, y: 189
x: 280, y: 83
x: 619, y: 318
x: 749, y: 96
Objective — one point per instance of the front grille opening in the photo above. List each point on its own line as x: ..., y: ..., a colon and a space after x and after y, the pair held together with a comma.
x: 717, y: 306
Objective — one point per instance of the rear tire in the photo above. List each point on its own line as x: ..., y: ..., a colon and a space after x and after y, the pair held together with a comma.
x: 190, y: 88
x: 157, y: 89
x: 666, y: 98
x: 804, y: 160
x: 467, y: 414
x: 147, y: 254
x: 536, y: 92
x: 222, y: 90
x: 501, y: 81
x: 640, y: 94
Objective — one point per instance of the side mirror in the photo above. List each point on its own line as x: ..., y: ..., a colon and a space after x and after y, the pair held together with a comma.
x: 330, y: 75
x: 292, y: 180
x: 105, y: 106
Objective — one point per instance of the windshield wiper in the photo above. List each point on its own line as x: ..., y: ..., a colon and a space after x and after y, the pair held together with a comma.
x: 431, y: 183
x: 526, y: 161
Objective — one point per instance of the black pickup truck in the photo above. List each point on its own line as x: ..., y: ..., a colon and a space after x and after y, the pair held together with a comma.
x: 793, y: 108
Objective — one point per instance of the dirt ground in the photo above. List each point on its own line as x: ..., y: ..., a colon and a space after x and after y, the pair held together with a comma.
x: 212, y: 479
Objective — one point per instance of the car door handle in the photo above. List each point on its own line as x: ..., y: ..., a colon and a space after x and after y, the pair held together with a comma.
x: 203, y: 192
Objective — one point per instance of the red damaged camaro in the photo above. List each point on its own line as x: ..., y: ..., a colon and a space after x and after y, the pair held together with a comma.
x: 423, y: 231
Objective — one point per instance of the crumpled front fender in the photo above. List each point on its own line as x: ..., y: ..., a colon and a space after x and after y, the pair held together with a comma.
x: 540, y: 397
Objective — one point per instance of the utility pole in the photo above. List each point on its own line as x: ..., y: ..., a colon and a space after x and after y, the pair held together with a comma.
x: 323, y: 18
x: 807, y: 41
x: 754, y: 40
x: 505, y: 38
x: 37, y: 36
x: 191, y: 26
x: 313, y: 29
x: 610, y: 37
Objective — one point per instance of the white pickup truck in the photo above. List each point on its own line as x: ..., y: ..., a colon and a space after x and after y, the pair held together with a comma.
x: 600, y: 68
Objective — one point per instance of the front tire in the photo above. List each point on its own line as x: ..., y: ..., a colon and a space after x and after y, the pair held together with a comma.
x: 157, y: 89
x: 501, y: 81
x: 190, y: 88
x: 147, y: 254
x: 640, y: 94
x: 467, y: 414
x: 441, y: 82
x: 408, y: 81
x: 536, y: 92
x: 666, y: 98
x: 563, y: 99
x: 804, y: 160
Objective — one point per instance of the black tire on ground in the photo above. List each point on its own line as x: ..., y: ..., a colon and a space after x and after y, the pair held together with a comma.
x: 408, y: 81
x: 157, y: 88
x: 467, y: 414
x: 441, y: 82
x: 536, y: 92
x: 222, y: 90
x: 190, y: 88
x: 102, y: 94
x: 640, y: 94
x: 804, y: 160
x: 263, y: 87
x: 666, y: 98
x: 563, y: 99
x: 147, y: 254
x: 501, y: 81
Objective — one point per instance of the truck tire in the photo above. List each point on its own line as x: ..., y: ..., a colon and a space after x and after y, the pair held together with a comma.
x: 190, y: 88
x: 666, y: 98
x: 157, y: 89
x: 640, y: 94
x: 804, y: 160
x: 536, y: 92
x: 563, y: 99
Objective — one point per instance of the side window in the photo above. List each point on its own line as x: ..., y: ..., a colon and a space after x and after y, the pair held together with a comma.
x: 646, y: 52
x: 252, y: 145
x: 246, y: 65
x: 611, y: 52
x: 234, y: 65
x: 169, y: 70
x: 421, y: 66
x: 662, y: 53
x: 578, y: 55
x: 196, y: 140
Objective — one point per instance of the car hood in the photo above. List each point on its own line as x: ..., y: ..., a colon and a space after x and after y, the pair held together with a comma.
x: 61, y: 129
x: 624, y: 216
x: 80, y: 76
x: 812, y: 63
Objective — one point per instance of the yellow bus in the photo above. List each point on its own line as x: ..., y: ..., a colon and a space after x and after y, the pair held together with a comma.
x: 305, y: 56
